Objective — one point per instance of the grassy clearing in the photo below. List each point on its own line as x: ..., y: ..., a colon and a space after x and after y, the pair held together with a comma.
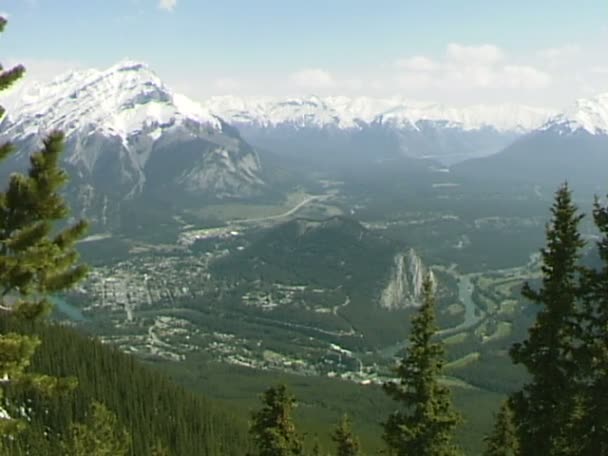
x: 508, y: 307
x: 238, y: 211
x: 455, y: 309
x: 464, y: 361
x: 503, y: 329
x: 506, y: 289
x: 455, y: 339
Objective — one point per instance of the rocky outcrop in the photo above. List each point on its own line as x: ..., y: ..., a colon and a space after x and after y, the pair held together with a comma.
x: 404, y: 288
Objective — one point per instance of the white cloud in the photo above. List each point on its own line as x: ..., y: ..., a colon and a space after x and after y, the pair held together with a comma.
x: 484, y: 54
x: 353, y: 84
x: 600, y: 70
x: 414, y: 80
x: 36, y: 70
x: 43, y: 69
x: 417, y: 63
x: 227, y: 84
x: 317, y: 79
x: 378, y: 85
x: 457, y: 74
x: 167, y: 5
x: 524, y: 77
x: 469, y: 67
x: 312, y: 78
x: 565, y: 51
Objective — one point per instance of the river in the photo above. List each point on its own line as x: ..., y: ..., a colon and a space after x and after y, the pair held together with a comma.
x: 472, y: 316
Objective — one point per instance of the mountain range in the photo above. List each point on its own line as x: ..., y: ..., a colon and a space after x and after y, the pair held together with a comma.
x: 571, y: 146
x: 373, y: 128
x: 130, y: 136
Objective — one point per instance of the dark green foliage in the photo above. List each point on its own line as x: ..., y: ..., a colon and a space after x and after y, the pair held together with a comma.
x: 7, y: 79
x: 36, y: 258
x: 158, y: 449
x: 425, y: 422
x: 346, y: 443
x: 316, y: 449
x: 336, y: 254
x: 152, y: 409
x: 100, y: 435
x: 322, y: 402
x: 272, y: 428
x: 321, y: 253
x: 503, y: 441
x: 548, y: 407
x: 593, y: 355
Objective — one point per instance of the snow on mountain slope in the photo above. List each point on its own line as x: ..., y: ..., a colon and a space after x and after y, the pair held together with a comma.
x: 128, y: 135
x: 590, y: 115
x: 572, y: 146
x: 345, y: 113
x: 126, y: 99
x: 370, y: 129
x: 502, y: 118
x: 269, y: 112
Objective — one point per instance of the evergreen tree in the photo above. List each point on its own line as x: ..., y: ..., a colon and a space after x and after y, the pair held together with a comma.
x: 15, y: 350
x: 316, y: 449
x: 594, y: 351
x: 347, y: 444
x: 36, y: 259
x: 548, y: 408
x: 425, y: 422
x: 100, y: 435
x: 159, y: 449
x: 7, y: 79
x: 272, y: 427
x: 503, y: 440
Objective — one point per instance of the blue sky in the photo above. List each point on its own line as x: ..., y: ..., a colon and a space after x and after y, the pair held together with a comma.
x: 460, y: 52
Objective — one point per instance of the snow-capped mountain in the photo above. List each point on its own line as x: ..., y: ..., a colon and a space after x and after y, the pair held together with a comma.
x: 124, y: 100
x: 502, y: 118
x: 308, y: 112
x: 128, y: 134
x: 345, y: 112
x: 572, y: 146
x: 378, y: 128
x: 590, y: 115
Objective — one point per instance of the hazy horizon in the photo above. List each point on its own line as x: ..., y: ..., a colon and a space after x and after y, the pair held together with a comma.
x: 545, y: 54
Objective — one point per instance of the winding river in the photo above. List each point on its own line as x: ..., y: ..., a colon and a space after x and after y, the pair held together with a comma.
x: 472, y: 315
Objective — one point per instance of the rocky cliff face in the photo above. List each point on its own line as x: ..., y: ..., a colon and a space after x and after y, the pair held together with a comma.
x: 404, y: 288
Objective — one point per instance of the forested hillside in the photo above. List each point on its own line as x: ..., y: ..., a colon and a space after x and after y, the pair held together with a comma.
x: 149, y: 406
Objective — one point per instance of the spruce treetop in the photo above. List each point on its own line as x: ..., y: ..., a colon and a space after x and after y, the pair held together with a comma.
x: 425, y: 420
x: 272, y: 427
x: 37, y: 258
